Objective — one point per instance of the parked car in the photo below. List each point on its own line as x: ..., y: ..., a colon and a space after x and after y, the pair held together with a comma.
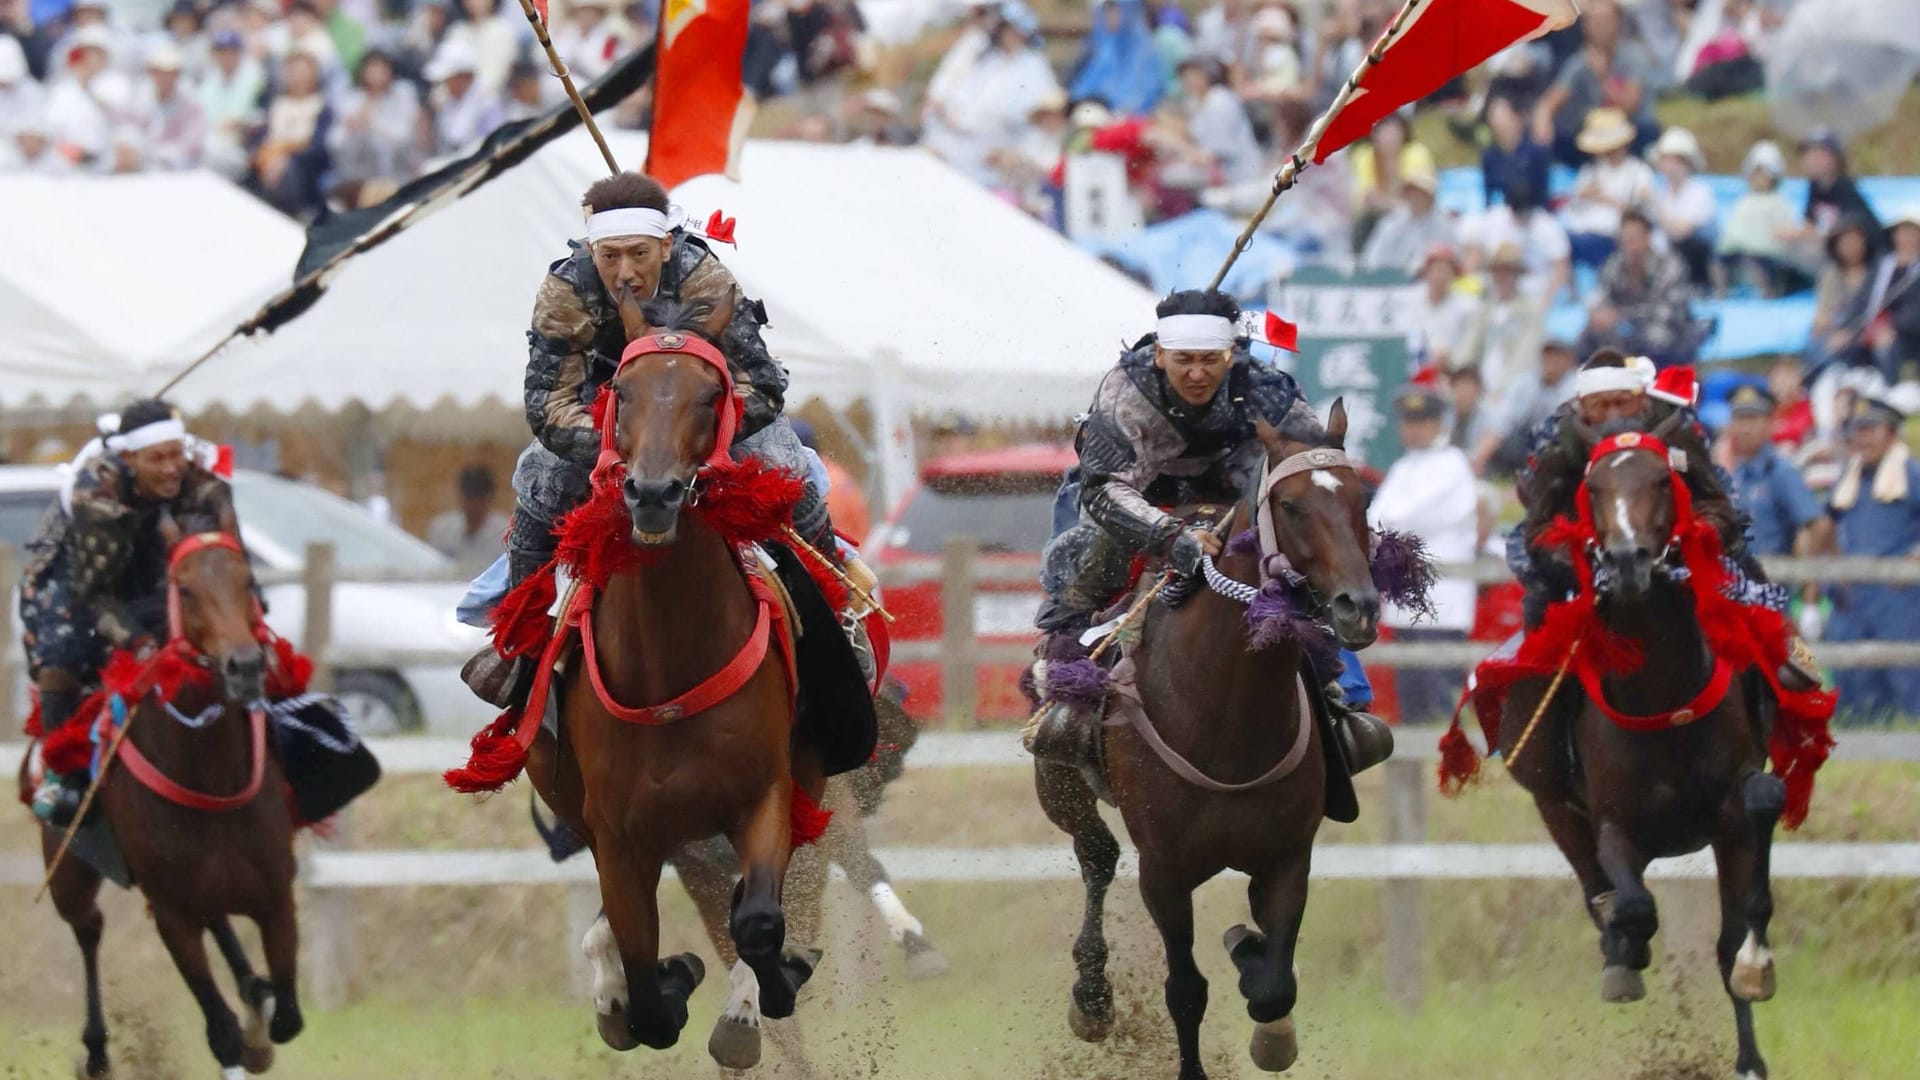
x: 1003, y: 499
x: 278, y: 519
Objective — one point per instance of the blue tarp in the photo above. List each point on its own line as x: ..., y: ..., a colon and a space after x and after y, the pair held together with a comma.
x: 1185, y: 252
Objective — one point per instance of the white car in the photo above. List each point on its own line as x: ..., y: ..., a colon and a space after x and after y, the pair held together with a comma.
x: 278, y: 519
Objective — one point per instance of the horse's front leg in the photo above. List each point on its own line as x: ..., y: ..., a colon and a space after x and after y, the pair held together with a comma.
x: 1070, y: 804
x: 1628, y: 916
x: 256, y: 998
x: 1170, y: 902
x: 759, y: 925
x: 280, y: 936
x: 639, y: 998
x: 1278, y: 897
x: 76, y: 894
x: 186, y: 940
x: 1743, y: 855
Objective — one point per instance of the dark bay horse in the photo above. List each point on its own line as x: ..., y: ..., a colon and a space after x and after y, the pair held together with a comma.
x: 638, y: 789
x: 1239, y: 716
x: 199, y: 807
x: 1677, y: 766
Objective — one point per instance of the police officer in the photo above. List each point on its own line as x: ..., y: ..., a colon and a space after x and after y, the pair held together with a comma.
x: 1766, y: 486
x: 1875, y: 510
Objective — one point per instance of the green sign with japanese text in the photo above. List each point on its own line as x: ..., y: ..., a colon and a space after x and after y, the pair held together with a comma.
x: 1354, y: 345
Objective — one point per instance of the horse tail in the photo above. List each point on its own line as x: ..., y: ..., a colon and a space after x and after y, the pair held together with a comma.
x: 562, y: 842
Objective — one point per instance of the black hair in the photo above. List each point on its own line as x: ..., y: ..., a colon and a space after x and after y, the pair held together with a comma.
x: 371, y: 55
x: 476, y: 482
x: 144, y: 412
x: 1466, y: 371
x: 1638, y: 215
x: 679, y: 317
x: 624, y: 190
x: 304, y: 5
x: 1521, y: 194
x: 1604, y: 358
x: 1199, y: 302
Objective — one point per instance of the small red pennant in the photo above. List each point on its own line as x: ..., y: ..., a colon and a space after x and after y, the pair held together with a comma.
x: 1282, y: 334
x: 541, y: 7
x: 223, y: 461
x: 720, y: 229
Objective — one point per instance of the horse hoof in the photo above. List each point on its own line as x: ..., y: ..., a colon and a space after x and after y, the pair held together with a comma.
x: 683, y: 968
x: 1275, y: 1046
x: 1239, y: 934
x: 1621, y: 985
x: 256, y: 1059
x: 256, y: 1039
x: 735, y: 1044
x: 1086, y: 1028
x: 1752, y: 976
x: 81, y: 1072
x: 614, y: 1030
x: 923, y: 960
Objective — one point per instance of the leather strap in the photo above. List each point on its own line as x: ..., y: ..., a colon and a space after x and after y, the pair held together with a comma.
x: 1134, y: 713
x: 1704, y: 702
x: 1314, y: 460
x: 151, y: 778
x: 715, y: 689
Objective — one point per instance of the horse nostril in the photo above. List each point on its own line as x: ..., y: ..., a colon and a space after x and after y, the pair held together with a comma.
x: 654, y: 494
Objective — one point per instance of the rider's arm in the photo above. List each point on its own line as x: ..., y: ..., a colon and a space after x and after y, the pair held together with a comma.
x: 560, y: 357
x: 99, y: 544
x: 1123, y: 446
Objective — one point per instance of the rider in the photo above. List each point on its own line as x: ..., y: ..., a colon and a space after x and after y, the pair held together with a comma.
x: 587, y: 309
x: 96, y: 575
x: 1171, y: 424
x: 1614, y: 393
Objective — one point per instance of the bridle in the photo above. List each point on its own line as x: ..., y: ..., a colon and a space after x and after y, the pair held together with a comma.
x: 727, y: 410
x: 1669, y: 562
x: 1274, y: 564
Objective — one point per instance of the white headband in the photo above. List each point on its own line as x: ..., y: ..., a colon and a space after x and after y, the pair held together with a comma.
x: 1608, y: 380
x: 625, y: 221
x: 140, y: 438
x: 1194, y: 333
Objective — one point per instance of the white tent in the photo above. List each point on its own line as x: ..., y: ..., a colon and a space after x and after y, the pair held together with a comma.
x: 878, y: 267
x: 104, y: 280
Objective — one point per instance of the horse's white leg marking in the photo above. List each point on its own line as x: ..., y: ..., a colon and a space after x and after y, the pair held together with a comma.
x: 1326, y: 480
x: 609, y: 971
x: 235, y: 1073
x: 900, y: 921
x: 1752, y: 978
x: 743, y: 996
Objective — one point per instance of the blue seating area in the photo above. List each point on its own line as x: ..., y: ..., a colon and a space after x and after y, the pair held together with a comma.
x: 1186, y: 251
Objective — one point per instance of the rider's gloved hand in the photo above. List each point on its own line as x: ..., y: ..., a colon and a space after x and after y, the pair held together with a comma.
x: 1183, y: 555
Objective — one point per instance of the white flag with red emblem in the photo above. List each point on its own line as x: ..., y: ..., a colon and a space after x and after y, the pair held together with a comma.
x: 1429, y: 44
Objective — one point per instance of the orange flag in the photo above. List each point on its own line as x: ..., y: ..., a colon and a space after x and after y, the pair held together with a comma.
x: 700, y: 108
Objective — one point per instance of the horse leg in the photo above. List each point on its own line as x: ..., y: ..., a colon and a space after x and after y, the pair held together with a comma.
x: 1746, y: 906
x: 256, y: 997
x: 759, y: 926
x: 655, y: 991
x: 1628, y: 914
x: 186, y: 941
x: 280, y: 937
x: 1572, y: 833
x: 708, y: 879
x: 1171, y: 905
x: 1071, y: 805
x: 1278, y: 897
x: 76, y: 894
x: 850, y: 851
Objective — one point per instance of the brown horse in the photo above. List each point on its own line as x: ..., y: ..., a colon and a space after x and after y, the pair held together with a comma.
x: 223, y: 846
x: 1615, y: 798
x: 1239, y: 717
x: 638, y: 792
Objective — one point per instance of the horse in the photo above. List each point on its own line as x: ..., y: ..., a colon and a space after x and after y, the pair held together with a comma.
x: 1221, y: 708
x: 198, y: 805
x: 1661, y: 761
x: 638, y: 783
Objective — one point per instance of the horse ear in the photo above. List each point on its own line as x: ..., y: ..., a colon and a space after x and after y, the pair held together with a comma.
x: 1337, y: 424
x: 1668, y: 428
x: 1268, y: 435
x: 169, y: 529
x: 229, y: 521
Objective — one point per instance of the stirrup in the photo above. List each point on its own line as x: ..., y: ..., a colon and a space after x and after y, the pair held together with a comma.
x: 496, y: 680
x: 1802, y: 669
x: 1367, y: 738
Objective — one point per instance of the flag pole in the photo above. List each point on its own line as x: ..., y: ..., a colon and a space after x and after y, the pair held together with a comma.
x: 1291, y: 169
x: 560, y: 72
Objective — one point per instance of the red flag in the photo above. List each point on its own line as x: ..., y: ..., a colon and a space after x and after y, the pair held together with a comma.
x: 1282, y: 334
x: 700, y: 108
x: 541, y: 7
x: 1439, y: 40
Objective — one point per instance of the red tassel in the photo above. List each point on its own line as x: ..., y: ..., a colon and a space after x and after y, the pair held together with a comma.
x: 748, y: 501
x: 31, y: 729
x: 521, y: 625
x: 495, y: 762
x: 1459, y: 761
x: 810, y: 819
x: 69, y: 749
x: 1282, y: 334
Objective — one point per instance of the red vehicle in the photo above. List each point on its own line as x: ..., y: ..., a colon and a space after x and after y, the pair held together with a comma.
x: 1003, y: 499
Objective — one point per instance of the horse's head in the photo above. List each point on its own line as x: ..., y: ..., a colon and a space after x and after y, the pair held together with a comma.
x: 1630, y: 488
x: 211, y: 603
x: 1319, y: 512
x: 674, y: 412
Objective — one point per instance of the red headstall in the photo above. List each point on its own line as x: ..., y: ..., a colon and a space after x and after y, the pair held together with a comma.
x: 727, y: 410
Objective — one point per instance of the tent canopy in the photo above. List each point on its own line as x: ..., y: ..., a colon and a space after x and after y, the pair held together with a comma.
x: 876, y: 265
x: 105, y: 281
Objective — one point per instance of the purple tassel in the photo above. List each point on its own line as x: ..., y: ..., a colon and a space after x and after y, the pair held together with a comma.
x: 1244, y: 542
x: 1403, y: 573
x: 1272, y: 619
x: 1081, y: 682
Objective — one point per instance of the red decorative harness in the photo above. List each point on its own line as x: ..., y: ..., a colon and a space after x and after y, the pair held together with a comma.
x: 176, y: 651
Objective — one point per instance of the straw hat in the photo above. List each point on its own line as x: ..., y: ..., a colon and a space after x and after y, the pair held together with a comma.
x: 1766, y: 156
x: 1605, y: 131
x: 1679, y: 142
x: 1422, y: 178
x: 1508, y: 256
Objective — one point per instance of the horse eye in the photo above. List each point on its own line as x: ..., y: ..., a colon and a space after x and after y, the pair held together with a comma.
x: 1289, y: 507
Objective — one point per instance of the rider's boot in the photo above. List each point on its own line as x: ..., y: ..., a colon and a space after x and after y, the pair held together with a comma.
x: 495, y: 679
x: 1068, y: 729
x: 57, y: 800
x: 1802, y: 670
x: 1367, y: 739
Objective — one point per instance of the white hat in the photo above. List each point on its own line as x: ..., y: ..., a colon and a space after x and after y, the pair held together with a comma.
x: 1091, y: 114
x: 164, y: 57
x: 881, y: 100
x: 13, y: 60
x: 1605, y: 130
x: 91, y: 37
x: 1273, y: 22
x: 454, y: 57
x: 1764, y: 154
x: 1679, y: 142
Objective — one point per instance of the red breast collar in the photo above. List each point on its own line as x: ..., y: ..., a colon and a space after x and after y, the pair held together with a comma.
x: 1704, y: 702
